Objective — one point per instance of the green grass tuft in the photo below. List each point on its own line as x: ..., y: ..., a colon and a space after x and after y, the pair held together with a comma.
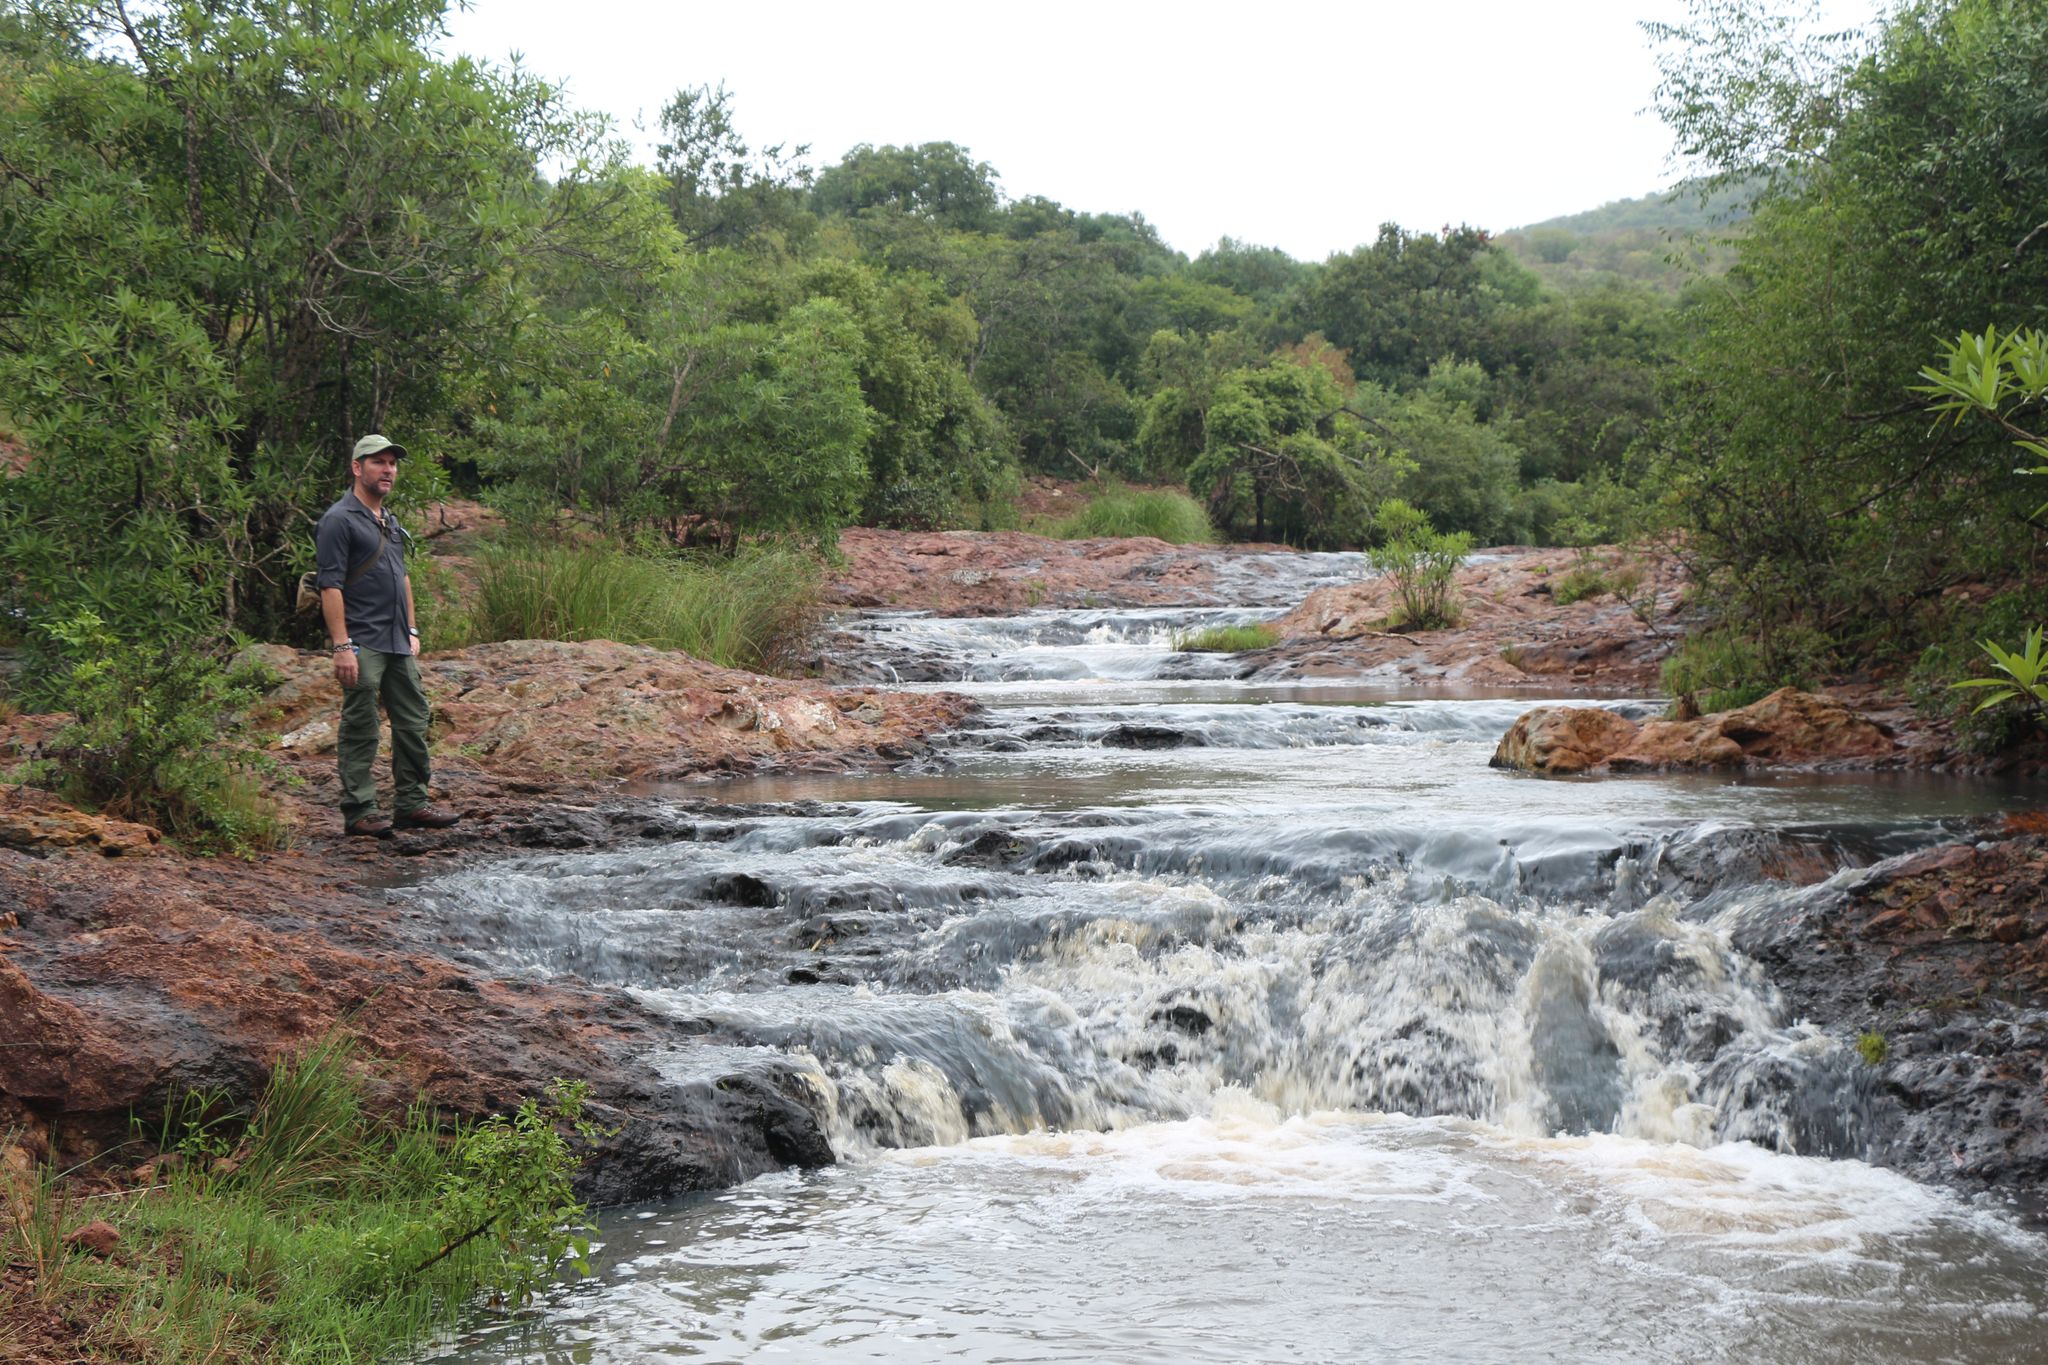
x: 1579, y: 584
x: 1873, y: 1048
x: 1160, y: 513
x: 750, y: 611
x: 1226, y: 639
x: 305, y: 1231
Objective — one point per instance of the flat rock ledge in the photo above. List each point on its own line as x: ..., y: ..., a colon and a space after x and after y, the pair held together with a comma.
x: 1789, y: 728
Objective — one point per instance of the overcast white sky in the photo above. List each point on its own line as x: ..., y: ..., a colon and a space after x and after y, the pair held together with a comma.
x: 1300, y: 126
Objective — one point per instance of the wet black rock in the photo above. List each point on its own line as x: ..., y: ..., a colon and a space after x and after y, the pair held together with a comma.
x: 1932, y: 971
x: 1134, y: 736
x: 991, y: 848
x: 1188, y: 1019
x: 742, y: 888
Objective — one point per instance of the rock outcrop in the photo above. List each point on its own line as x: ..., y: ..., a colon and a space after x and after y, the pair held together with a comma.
x: 1937, y: 964
x: 127, y: 981
x: 1787, y: 729
x: 542, y: 714
x: 36, y: 820
x: 1513, y: 631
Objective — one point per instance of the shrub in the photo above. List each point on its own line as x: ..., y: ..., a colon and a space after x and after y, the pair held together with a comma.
x: 1163, y: 514
x: 1723, y: 669
x: 312, y: 1229
x: 156, y: 737
x: 1579, y: 584
x: 747, y: 611
x: 1422, y: 563
x: 1978, y: 730
x: 1226, y: 639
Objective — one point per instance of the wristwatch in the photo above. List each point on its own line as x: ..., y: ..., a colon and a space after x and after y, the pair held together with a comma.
x: 349, y: 645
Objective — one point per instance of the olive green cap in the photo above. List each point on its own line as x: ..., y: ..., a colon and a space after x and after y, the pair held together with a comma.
x: 371, y: 445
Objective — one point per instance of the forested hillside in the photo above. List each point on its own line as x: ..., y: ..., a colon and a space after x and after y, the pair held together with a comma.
x: 1665, y: 241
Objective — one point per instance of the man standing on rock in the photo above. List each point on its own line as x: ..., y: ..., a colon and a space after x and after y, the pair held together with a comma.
x: 366, y: 601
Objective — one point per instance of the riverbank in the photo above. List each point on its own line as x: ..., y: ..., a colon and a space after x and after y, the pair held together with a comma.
x: 139, y: 973
x: 142, y: 973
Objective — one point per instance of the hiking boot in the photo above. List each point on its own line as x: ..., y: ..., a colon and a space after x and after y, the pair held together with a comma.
x: 426, y: 817
x: 371, y: 826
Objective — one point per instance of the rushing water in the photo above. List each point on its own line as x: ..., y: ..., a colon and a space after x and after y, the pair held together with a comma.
x: 1170, y: 1017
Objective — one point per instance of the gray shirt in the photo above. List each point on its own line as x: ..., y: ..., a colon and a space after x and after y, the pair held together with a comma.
x: 374, y: 604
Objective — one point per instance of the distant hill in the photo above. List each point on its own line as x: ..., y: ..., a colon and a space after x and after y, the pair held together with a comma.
x: 1661, y: 240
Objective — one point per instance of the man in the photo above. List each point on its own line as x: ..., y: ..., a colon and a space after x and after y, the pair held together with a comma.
x: 366, y: 601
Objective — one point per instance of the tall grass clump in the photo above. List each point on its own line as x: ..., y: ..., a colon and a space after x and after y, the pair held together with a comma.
x: 1163, y: 514
x: 1226, y: 639
x: 309, y: 1229
x: 749, y: 611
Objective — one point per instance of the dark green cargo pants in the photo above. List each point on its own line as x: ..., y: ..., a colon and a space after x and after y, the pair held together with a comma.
x: 395, y: 678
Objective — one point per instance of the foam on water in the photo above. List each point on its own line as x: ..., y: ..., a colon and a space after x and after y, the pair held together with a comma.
x: 1150, y: 1022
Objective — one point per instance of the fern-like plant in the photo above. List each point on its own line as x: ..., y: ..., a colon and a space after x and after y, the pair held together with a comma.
x: 2025, y: 680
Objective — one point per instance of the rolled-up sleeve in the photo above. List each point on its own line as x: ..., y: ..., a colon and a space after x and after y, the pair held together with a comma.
x: 330, y: 551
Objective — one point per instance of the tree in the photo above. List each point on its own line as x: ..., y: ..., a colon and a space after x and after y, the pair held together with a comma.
x: 720, y: 192
x: 1898, y: 196
x: 1277, y: 447
x: 937, y: 181
x: 290, y: 225
x: 1398, y: 304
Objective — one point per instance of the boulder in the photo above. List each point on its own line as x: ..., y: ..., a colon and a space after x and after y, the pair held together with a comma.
x: 1789, y: 728
x: 1562, y: 739
x: 35, y: 821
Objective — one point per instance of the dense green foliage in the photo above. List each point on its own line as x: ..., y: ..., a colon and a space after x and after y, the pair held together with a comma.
x: 241, y: 234
x: 155, y: 737
x: 1899, y: 191
x: 748, y: 611
x: 310, y: 1229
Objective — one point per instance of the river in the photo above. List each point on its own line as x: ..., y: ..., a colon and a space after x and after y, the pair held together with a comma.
x: 1163, y: 1014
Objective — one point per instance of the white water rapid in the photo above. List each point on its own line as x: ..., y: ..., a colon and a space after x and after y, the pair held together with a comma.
x: 1168, y: 1017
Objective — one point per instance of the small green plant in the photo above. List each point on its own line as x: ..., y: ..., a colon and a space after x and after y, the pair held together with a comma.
x: 1580, y: 583
x: 1995, y: 376
x: 1226, y: 639
x: 156, y: 737
x: 1163, y: 514
x: 1514, y: 656
x: 1872, y: 1047
x: 1422, y: 564
x: 2025, y: 680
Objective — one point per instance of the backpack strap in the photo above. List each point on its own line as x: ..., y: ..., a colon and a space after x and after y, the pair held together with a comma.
x: 371, y: 562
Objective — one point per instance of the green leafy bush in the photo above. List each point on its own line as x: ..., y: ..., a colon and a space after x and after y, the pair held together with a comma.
x: 1582, y: 582
x: 155, y: 737
x: 1226, y: 639
x: 1160, y: 513
x: 311, y: 1228
x: 748, y: 611
x: 1422, y: 563
x: 1724, y: 669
